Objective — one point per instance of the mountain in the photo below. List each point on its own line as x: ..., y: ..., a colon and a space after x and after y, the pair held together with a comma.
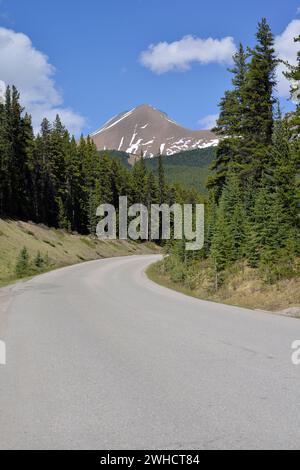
x: 149, y: 131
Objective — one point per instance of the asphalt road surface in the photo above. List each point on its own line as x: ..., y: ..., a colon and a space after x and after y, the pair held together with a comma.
x: 100, y: 357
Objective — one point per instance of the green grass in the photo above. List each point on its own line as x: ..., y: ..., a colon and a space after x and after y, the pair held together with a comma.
x: 59, y: 247
x: 242, y: 287
x: 155, y: 275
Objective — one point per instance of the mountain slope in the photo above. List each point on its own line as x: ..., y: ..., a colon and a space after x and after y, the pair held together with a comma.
x: 148, y: 131
x: 190, y: 168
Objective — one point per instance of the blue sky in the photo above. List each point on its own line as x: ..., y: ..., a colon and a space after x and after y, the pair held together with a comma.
x: 93, y: 68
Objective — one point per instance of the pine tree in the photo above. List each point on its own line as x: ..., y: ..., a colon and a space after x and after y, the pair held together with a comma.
x: 293, y: 74
x: 46, y: 209
x: 257, y: 95
x: 151, y: 193
x: 62, y: 220
x: 139, y: 179
x: 293, y: 119
x: 226, y: 149
x: 221, y: 244
x: 283, y: 170
x: 105, y: 181
x: 4, y: 174
x: 14, y: 154
x: 269, y: 227
x: 75, y: 197
x: 93, y: 202
x: 58, y: 141
x: 22, y: 264
x: 27, y: 206
x: 39, y: 260
x: 232, y: 213
x: 230, y: 125
x: 161, y: 180
x: 210, y: 218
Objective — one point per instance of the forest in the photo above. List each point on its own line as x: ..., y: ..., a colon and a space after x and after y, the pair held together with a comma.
x: 55, y: 180
x: 252, y: 212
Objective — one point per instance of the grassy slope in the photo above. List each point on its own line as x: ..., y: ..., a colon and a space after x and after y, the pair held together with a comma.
x: 242, y: 287
x: 62, y: 248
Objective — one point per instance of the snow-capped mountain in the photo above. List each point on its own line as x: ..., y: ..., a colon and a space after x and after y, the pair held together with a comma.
x: 149, y: 131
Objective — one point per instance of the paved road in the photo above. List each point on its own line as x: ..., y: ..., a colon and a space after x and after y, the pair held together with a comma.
x: 101, y: 357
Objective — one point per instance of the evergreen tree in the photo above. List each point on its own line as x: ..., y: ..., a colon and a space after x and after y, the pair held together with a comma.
x: 257, y: 95
x: 39, y: 261
x: 93, y: 203
x: 269, y: 227
x: 221, y: 244
x: 230, y: 125
x: 293, y: 74
x: 22, y: 265
x: 27, y: 206
x: 4, y: 173
x: 161, y: 179
x: 283, y: 170
x: 105, y: 180
x: 138, y: 182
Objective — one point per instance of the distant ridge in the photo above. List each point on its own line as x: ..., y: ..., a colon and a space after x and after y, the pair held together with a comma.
x: 148, y: 131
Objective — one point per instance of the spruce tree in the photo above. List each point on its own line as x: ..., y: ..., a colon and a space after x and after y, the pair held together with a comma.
x: 22, y: 265
x: 161, y: 179
x: 230, y: 125
x: 4, y: 174
x: 139, y: 180
x: 283, y: 169
x: 258, y: 98
x: 221, y: 244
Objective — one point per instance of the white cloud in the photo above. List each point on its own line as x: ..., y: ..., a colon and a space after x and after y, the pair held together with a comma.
x: 30, y: 71
x: 208, y: 122
x: 179, y: 55
x: 286, y: 49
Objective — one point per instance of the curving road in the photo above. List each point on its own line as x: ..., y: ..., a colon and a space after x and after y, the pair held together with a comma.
x: 100, y: 357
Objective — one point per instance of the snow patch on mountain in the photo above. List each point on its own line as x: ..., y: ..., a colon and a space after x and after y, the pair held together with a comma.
x: 121, y: 143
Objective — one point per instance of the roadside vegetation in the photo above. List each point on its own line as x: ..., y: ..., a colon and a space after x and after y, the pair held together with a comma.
x: 251, y: 255
x: 242, y: 285
x: 27, y: 249
x: 55, y: 180
x: 189, y: 168
x: 57, y: 183
x: 251, y: 252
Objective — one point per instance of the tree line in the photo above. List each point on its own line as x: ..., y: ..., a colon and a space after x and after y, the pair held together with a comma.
x: 53, y: 179
x: 252, y: 212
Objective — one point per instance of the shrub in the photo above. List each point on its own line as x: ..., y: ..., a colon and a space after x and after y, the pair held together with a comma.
x: 39, y: 261
x: 22, y: 265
